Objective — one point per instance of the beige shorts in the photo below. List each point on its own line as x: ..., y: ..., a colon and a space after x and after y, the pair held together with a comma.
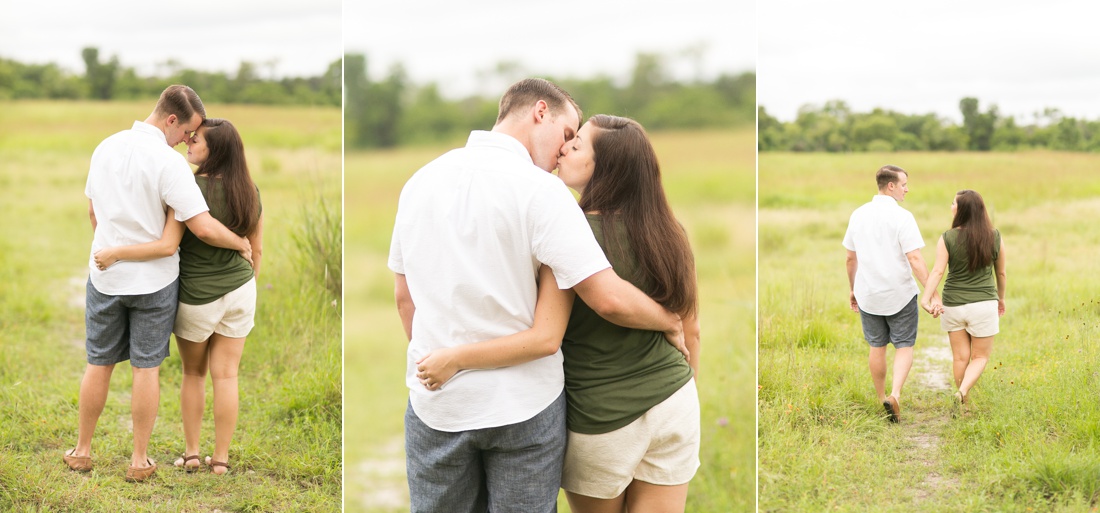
x: 661, y: 447
x: 978, y: 319
x: 231, y: 315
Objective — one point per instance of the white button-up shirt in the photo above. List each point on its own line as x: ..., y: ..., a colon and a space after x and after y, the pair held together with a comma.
x: 472, y: 228
x: 133, y: 178
x: 881, y: 233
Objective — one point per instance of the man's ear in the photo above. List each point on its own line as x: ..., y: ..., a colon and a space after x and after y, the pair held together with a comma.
x: 540, y: 111
x: 171, y: 119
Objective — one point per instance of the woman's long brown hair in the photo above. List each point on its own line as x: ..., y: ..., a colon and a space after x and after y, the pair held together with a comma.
x: 626, y: 186
x: 225, y: 161
x: 975, y: 229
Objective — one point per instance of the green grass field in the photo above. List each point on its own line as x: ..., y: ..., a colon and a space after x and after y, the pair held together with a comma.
x: 286, y: 454
x: 1031, y: 438
x: 710, y: 180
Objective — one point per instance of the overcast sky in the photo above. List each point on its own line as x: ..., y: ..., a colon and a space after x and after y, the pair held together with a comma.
x: 921, y: 57
x: 302, y: 37
x: 449, y: 42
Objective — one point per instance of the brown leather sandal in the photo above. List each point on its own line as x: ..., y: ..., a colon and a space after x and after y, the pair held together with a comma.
x: 212, y: 463
x: 186, y: 458
x: 78, y: 463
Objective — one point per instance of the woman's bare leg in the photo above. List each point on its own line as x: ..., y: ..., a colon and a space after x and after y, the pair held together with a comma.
x: 194, y: 356
x: 585, y: 504
x: 643, y: 497
x: 225, y: 359
x: 960, y: 354
x: 981, y: 348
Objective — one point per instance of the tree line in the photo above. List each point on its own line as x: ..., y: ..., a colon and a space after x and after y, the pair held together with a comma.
x: 833, y: 127
x: 390, y: 110
x: 110, y: 80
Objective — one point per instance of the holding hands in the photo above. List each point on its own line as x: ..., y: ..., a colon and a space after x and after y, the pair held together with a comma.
x: 933, y: 306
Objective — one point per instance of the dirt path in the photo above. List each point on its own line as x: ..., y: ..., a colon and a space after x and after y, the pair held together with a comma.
x: 383, y: 478
x: 930, y: 377
x: 75, y: 295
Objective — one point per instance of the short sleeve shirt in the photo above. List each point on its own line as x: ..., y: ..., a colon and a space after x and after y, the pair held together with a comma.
x: 613, y: 375
x: 209, y: 272
x: 881, y: 233
x: 471, y: 231
x: 133, y: 178
x: 963, y: 287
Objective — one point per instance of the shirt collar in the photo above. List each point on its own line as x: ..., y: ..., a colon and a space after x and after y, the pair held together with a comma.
x: 884, y: 197
x: 486, y: 139
x: 146, y: 128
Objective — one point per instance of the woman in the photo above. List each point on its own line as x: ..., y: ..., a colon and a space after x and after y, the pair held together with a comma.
x: 217, y: 287
x: 973, y: 300
x: 632, y: 405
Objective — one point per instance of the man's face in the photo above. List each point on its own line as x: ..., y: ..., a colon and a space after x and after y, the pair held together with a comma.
x: 553, y: 133
x: 177, y: 131
x: 898, y: 189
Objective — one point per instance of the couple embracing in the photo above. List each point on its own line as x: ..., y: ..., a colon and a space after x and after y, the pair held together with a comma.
x: 173, y: 251
x: 551, y: 345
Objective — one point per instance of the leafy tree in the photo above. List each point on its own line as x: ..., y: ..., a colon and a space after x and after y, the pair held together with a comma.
x: 979, y: 126
x: 100, y: 76
x: 877, y: 126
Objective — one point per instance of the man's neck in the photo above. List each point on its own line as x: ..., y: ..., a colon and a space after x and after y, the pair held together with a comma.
x: 158, y: 122
x: 516, y: 132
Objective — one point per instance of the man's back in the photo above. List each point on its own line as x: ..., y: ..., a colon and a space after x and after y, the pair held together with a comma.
x: 472, y: 228
x: 133, y: 175
x: 881, y: 233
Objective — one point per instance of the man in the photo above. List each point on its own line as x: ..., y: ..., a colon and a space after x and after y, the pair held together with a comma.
x: 472, y: 228
x: 130, y: 307
x: 883, y: 244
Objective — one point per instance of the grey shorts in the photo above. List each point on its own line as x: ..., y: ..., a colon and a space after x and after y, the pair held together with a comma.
x: 135, y: 328
x: 507, y: 469
x: 899, y: 328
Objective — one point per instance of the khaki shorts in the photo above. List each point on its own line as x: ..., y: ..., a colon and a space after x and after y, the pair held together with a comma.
x: 978, y: 319
x: 661, y: 447
x: 231, y: 315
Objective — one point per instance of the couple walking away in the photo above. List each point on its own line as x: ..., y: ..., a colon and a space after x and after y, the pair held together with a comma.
x: 884, y: 243
x: 547, y: 340
x: 173, y: 251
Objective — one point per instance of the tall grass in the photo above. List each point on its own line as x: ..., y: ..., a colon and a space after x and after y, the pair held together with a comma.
x: 319, y: 240
x: 1030, y: 439
x: 285, y: 455
x: 709, y: 177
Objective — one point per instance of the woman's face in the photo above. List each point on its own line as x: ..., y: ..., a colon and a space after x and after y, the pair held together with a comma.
x: 578, y: 159
x: 954, y: 206
x: 197, y: 151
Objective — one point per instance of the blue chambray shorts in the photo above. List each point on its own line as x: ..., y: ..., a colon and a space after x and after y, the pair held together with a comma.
x: 899, y: 328
x: 135, y: 328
